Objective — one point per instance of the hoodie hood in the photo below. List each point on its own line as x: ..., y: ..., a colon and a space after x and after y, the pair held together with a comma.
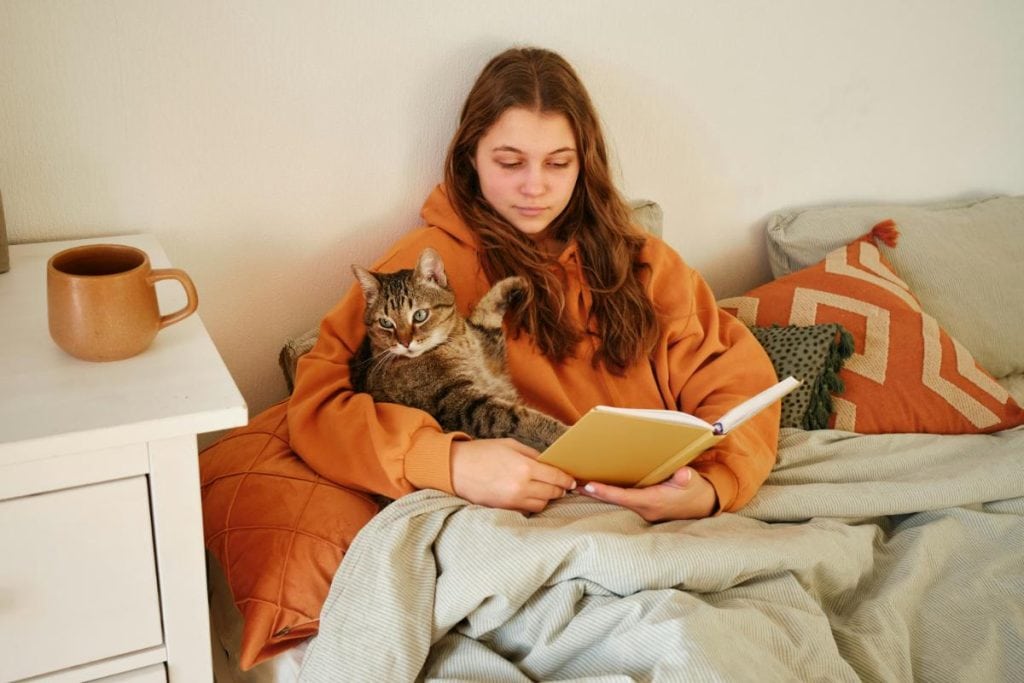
x: 438, y: 212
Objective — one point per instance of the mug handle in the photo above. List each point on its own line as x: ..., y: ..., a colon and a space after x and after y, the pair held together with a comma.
x: 190, y: 291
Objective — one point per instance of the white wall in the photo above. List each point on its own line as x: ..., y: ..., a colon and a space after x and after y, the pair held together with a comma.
x: 271, y: 144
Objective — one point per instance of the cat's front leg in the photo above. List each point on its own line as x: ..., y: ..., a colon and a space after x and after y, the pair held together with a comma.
x: 495, y: 417
x: 536, y: 429
x: 490, y: 310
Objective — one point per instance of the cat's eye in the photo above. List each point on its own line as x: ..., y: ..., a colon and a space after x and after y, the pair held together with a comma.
x: 385, y: 323
x: 420, y: 315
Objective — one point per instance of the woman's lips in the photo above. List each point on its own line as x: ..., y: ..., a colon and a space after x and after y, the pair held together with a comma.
x: 530, y: 211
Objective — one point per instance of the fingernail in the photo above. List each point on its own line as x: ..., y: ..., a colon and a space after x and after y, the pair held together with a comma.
x: 573, y: 487
x: 589, y: 488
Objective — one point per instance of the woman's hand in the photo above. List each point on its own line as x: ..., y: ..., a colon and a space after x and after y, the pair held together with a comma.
x: 686, y: 495
x: 504, y: 473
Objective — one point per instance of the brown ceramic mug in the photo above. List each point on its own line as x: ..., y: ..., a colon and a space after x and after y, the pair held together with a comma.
x: 102, y: 302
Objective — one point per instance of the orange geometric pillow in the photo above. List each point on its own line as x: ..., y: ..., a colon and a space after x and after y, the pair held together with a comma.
x: 906, y: 374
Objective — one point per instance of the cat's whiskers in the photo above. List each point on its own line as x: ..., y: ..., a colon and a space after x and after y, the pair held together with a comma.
x: 380, y: 361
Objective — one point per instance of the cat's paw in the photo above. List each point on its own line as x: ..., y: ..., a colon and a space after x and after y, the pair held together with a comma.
x: 555, y: 430
x: 503, y: 294
x: 545, y: 432
x: 513, y: 291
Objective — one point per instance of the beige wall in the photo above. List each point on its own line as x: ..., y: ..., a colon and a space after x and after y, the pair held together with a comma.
x: 270, y: 144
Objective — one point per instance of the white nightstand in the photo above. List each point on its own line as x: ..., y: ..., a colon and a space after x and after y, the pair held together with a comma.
x: 101, y: 535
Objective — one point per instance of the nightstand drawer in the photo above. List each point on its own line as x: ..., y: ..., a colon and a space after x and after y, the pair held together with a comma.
x: 78, y: 577
x: 151, y: 674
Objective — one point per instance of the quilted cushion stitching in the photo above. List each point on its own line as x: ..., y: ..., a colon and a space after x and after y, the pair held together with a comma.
x: 279, y: 527
x: 288, y: 557
x: 231, y: 506
x: 272, y: 475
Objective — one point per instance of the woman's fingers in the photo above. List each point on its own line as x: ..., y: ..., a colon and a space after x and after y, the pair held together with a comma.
x: 504, y: 473
x: 685, y: 495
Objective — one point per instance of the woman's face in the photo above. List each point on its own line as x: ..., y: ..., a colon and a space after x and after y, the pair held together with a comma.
x: 527, y: 165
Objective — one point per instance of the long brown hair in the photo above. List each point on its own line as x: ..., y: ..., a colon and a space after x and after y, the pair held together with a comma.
x: 622, y: 316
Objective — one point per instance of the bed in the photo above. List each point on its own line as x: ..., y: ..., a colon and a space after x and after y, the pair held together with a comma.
x: 885, y: 545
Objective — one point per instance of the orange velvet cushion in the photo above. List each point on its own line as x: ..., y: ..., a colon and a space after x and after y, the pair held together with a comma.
x: 907, y: 374
x: 277, y: 529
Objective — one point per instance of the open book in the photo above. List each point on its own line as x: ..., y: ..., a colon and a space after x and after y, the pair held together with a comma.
x: 640, y: 447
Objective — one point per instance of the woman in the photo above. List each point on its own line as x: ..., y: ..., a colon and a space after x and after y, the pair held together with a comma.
x: 616, y: 318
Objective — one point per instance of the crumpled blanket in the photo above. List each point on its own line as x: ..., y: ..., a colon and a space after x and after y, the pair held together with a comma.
x: 879, y: 558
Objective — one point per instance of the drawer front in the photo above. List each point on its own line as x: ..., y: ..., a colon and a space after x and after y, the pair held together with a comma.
x: 75, y: 469
x: 78, y: 577
x: 151, y: 674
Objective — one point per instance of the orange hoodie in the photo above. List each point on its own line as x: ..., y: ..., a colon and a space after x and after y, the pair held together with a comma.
x: 705, y: 362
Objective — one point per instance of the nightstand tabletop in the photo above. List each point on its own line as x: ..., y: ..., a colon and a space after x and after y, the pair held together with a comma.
x: 52, y: 403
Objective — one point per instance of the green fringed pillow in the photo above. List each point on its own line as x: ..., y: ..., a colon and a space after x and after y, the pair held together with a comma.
x: 813, y: 354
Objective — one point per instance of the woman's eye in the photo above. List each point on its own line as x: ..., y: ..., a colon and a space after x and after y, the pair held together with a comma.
x: 510, y: 164
x: 559, y: 164
x: 385, y: 323
x: 420, y: 315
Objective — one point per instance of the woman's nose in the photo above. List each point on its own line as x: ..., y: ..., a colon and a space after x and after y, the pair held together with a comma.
x: 533, y: 182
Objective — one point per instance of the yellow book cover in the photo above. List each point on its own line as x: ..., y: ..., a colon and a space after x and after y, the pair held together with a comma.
x: 639, y: 447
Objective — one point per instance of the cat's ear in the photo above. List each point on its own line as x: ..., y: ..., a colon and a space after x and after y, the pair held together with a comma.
x: 369, y: 283
x: 430, y: 268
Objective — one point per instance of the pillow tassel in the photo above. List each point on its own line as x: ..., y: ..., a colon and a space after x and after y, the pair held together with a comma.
x: 846, y: 344
x: 886, y: 232
x: 820, y: 409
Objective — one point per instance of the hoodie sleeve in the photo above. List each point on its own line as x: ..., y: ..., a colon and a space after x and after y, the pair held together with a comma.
x: 347, y: 437
x: 709, y: 362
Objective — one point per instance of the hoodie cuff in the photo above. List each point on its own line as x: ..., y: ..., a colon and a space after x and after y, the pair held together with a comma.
x: 428, y: 463
x: 722, y: 479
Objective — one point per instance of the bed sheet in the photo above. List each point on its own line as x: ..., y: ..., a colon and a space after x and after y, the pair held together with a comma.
x: 882, y: 557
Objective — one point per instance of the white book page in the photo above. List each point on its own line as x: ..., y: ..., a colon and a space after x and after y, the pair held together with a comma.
x: 752, y: 406
x: 732, y: 419
x: 656, y: 414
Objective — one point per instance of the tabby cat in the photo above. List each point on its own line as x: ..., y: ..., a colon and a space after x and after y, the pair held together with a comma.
x: 420, y: 352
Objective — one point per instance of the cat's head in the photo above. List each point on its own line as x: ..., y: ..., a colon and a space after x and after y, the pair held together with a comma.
x: 408, y: 312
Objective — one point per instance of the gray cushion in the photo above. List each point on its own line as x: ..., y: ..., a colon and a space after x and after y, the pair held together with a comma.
x: 648, y: 215
x: 962, y: 259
